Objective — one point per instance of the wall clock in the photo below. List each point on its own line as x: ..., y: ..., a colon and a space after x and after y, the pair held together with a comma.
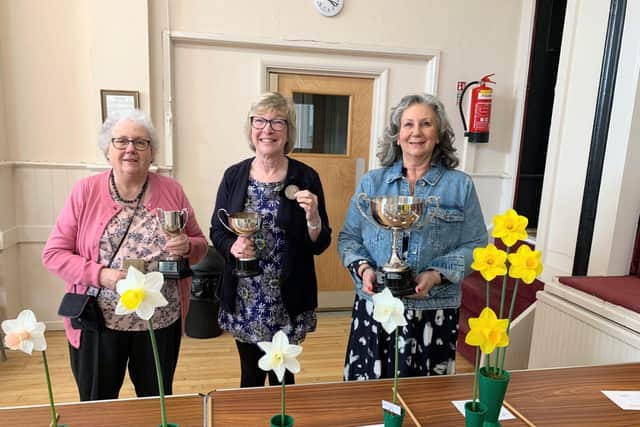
x: 328, y: 7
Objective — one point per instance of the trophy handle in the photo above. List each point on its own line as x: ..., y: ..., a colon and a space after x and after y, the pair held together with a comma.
x: 364, y: 197
x: 185, y: 215
x: 223, y: 210
x: 160, y: 215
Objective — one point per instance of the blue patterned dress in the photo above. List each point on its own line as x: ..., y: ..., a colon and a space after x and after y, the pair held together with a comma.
x: 259, y: 310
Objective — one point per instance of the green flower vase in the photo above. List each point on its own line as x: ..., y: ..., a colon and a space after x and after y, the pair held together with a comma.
x: 276, y: 421
x: 393, y: 420
x: 474, y: 414
x: 170, y: 425
x: 492, y: 392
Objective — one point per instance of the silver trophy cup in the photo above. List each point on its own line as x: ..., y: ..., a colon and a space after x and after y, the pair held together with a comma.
x: 397, y: 213
x: 173, y: 224
x: 242, y: 224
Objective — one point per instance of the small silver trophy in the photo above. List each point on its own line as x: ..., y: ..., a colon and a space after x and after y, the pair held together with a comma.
x: 397, y: 213
x: 173, y: 223
x: 242, y: 224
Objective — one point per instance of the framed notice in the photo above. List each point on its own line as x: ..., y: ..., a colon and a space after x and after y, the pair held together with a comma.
x: 113, y: 101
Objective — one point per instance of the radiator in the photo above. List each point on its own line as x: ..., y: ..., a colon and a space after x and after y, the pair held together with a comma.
x: 570, y: 334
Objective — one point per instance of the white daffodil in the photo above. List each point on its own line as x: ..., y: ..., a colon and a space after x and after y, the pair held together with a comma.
x: 280, y: 355
x: 140, y: 293
x: 388, y: 310
x: 24, y: 333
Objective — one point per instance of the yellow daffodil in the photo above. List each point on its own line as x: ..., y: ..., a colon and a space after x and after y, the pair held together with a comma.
x: 280, y: 355
x: 510, y: 227
x: 388, y: 310
x: 525, y: 264
x: 487, y: 331
x: 140, y: 293
x: 489, y: 261
x: 24, y: 333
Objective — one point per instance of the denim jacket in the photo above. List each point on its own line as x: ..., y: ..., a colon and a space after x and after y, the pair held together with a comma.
x: 443, y: 239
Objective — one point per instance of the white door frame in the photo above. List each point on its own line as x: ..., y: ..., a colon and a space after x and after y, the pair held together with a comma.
x: 429, y: 57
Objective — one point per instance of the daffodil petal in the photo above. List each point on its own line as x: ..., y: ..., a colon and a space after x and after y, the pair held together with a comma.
x: 39, y: 342
x: 156, y: 299
x: 145, y: 310
x: 26, y: 346
x: 154, y: 280
x: 121, y: 309
x: 279, y: 371
x: 292, y: 365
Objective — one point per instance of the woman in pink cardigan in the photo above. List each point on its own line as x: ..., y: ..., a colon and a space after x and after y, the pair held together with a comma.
x: 108, y: 222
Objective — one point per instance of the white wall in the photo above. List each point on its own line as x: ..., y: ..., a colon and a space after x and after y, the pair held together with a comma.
x: 569, y: 142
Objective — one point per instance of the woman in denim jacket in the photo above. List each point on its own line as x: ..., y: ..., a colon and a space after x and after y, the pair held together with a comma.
x: 418, y: 159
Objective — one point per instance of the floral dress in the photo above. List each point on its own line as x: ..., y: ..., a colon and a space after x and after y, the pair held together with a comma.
x: 259, y: 310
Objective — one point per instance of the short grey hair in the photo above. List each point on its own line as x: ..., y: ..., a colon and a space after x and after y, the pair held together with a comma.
x: 136, y: 116
x: 273, y: 101
x: 444, y: 152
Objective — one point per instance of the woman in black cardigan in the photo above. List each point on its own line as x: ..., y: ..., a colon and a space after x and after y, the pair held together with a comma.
x: 287, y: 195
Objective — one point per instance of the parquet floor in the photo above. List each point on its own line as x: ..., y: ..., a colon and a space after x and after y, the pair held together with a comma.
x: 204, y: 365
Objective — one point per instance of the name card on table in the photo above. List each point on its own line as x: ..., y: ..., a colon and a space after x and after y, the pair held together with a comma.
x: 391, y: 407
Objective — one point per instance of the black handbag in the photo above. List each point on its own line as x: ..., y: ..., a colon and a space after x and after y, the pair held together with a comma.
x: 83, y: 311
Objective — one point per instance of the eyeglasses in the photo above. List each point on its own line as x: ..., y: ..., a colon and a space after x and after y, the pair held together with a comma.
x: 261, y: 123
x: 138, y: 144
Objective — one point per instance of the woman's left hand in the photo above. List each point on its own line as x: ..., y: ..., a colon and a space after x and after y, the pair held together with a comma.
x: 309, y: 202
x: 424, y: 282
x: 178, y: 245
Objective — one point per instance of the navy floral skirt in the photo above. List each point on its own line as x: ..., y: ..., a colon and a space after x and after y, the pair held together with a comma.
x: 426, y: 345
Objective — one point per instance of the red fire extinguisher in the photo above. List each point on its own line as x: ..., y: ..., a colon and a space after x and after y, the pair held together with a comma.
x: 480, y: 111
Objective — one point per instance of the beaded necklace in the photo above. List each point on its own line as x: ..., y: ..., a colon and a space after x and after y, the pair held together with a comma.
x: 117, y: 194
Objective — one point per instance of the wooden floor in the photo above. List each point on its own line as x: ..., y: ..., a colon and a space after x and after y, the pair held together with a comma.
x: 204, y: 365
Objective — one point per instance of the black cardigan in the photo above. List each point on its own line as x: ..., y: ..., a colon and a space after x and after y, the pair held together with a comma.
x: 299, y: 286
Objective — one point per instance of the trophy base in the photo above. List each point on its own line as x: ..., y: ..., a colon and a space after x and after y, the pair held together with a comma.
x: 400, y: 283
x: 174, y: 268
x: 246, y: 268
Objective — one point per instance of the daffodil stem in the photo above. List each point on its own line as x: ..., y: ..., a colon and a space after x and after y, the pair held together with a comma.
x: 54, y: 418
x: 475, y: 379
x: 395, y: 370
x: 488, y: 290
x: 511, y: 307
x: 156, y: 358
x: 282, y: 403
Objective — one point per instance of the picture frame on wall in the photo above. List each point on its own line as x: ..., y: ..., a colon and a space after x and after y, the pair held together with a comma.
x: 112, y: 101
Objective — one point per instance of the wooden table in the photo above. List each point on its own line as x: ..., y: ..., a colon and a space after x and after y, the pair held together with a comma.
x: 546, y: 397
x: 186, y: 410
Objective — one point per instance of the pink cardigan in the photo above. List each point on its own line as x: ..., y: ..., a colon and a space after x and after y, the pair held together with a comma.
x: 72, y: 250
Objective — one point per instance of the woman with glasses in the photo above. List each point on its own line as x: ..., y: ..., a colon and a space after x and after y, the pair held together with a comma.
x: 287, y: 196
x: 108, y: 223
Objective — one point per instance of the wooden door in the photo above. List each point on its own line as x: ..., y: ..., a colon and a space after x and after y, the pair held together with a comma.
x: 337, y: 167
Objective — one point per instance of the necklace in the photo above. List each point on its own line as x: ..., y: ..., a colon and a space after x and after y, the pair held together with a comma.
x: 117, y: 194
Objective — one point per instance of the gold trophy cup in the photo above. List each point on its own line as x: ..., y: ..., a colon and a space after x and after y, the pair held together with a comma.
x: 242, y: 224
x: 173, y: 223
x: 397, y: 213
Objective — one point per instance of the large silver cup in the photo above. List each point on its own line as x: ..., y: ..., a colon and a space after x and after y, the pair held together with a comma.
x: 173, y: 224
x: 397, y: 213
x: 242, y: 224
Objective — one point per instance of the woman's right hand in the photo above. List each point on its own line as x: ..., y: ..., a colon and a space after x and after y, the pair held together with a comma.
x: 109, y: 277
x: 368, y: 280
x: 243, y: 248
